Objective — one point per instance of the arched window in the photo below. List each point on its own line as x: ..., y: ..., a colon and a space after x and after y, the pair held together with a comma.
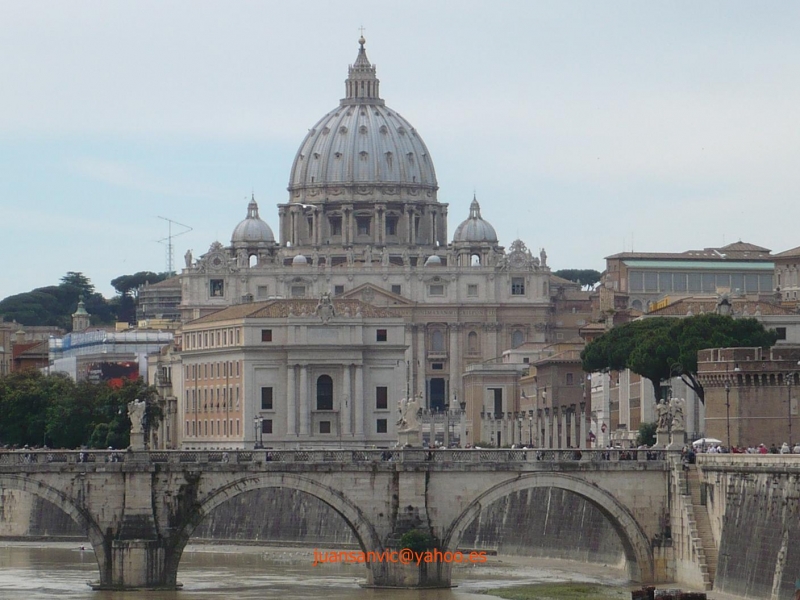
x: 475, y: 260
x: 437, y: 341
x: 517, y: 338
x: 636, y: 305
x: 324, y: 392
x: 253, y: 260
x: 472, y: 342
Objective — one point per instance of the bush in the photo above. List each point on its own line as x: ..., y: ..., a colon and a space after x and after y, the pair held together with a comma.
x: 416, y: 541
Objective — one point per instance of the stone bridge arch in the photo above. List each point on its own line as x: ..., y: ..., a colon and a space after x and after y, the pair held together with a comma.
x: 65, y: 502
x: 364, y: 531
x: 636, y: 545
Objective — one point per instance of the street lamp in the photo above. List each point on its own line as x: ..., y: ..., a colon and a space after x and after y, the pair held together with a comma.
x: 257, y: 432
x: 789, y: 378
x: 728, y: 410
x: 530, y: 428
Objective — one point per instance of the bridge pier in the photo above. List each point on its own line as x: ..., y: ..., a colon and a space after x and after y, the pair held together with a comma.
x: 387, y: 574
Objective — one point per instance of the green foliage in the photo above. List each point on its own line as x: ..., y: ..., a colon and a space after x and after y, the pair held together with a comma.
x: 416, y: 540
x: 588, y: 277
x: 647, y: 434
x: 658, y: 348
x: 37, y: 409
x: 125, y: 284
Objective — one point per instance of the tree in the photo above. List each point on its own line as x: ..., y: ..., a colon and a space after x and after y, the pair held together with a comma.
x: 714, y: 331
x: 647, y: 434
x: 658, y: 348
x: 127, y: 287
x: 588, y: 277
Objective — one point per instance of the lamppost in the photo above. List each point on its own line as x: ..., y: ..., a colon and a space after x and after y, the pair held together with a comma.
x: 789, y: 378
x: 530, y: 428
x: 257, y: 432
x: 519, y: 429
x: 728, y: 410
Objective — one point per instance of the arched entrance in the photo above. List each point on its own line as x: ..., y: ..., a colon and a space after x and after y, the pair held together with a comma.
x: 364, y: 532
x: 638, y: 554
x: 78, y: 514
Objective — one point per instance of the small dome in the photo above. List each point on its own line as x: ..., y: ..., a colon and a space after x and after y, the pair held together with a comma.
x: 475, y: 229
x: 299, y: 261
x: 433, y: 261
x: 252, y: 230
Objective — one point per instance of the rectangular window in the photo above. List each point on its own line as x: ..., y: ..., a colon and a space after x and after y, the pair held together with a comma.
x: 723, y: 280
x: 437, y: 366
x: 472, y: 290
x: 679, y: 282
x: 569, y: 378
x: 709, y: 283
x: 781, y: 331
x: 651, y: 282
x: 381, y: 426
x: 261, y: 291
x: 397, y: 289
x: 324, y: 426
x: 665, y: 282
x: 266, y: 335
x: 217, y: 288
x: 636, y: 281
x: 336, y: 225
x: 338, y: 290
x: 694, y: 282
x: 381, y: 335
x: 298, y: 291
x: 436, y: 290
x: 266, y: 398
x: 737, y: 282
x: 266, y: 426
x: 751, y: 284
x: 765, y: 283
x: 362, y: 225
x: 381, y: 397
x: 517, y: 286
x: 391, y: 225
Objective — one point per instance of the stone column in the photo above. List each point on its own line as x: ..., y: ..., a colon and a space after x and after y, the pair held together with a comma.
x: 455, y: 362
x: 291, y: 402
x: 572, y: 429
x: 556, y: 429
x: 563, y: 427
x: 582, y: 444
x: 547, y: 428
x: 421, y: 364
x: 304, y: 410
x: 346, y: 405
x: 537, y: 433
x: 359, y: 401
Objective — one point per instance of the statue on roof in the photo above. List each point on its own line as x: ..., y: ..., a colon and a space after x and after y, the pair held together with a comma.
x: 188, y: 258
x: 325, y: 309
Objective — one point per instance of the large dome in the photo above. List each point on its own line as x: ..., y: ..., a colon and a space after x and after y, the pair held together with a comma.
x: 252, y: 230
x: 475, y: 228
x: 362, y: 147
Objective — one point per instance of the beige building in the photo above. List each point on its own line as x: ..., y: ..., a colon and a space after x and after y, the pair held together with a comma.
x: 752, y: 393
x: 647, y: 277
x: 283, y: 374
x: 363, y: 222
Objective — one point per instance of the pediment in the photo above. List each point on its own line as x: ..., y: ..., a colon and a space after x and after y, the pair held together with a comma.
x: 376, y: 296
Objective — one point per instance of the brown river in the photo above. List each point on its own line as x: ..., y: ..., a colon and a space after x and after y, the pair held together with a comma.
x: 35, y: 571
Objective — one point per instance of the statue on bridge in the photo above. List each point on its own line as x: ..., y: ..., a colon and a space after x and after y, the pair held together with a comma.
x: 676, y: 412
x: 409, y: 432
x: 663, y: 412
x: 136, y: 413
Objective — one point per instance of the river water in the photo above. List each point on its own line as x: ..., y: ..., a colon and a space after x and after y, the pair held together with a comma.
x: 36, y: 571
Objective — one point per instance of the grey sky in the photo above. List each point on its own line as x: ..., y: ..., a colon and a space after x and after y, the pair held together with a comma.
x: 583, y: 126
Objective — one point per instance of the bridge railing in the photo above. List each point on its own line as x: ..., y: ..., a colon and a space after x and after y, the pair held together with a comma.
x: 342, y: 456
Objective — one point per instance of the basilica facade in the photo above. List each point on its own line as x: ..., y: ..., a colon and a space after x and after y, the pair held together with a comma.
x: 363, y: 225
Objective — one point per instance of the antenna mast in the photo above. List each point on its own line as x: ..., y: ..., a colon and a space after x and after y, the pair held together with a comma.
x: 168, y: 242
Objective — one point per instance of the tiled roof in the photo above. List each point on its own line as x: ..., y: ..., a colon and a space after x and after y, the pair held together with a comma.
x: 789, y: 253
x: 735, y: 251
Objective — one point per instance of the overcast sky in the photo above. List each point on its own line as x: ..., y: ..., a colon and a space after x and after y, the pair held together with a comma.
x: 584, y: 127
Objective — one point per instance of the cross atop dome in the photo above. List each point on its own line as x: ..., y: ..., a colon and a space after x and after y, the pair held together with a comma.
x: 362, y: 85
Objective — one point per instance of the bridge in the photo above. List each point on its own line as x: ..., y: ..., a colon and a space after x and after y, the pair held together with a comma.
x: 139, y: 509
